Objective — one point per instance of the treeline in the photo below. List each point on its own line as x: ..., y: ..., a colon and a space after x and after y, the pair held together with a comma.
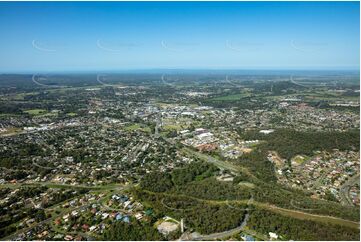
x: 265, y: 189
x: 19, y: 154
x: 63, y: 195
x: 16, y: 174
x: 8, y: 221
x: 194, y: 180
x: 297, y: 200
x: 278, y: 87
x: 134, y: 231
x: 288, y: 228
x: 30, y: 191
x: 212, y: 189
x: 258, y: 164
x: 157, y: 182
x: 241, y: 104
x: 203, y: 217
x: 162, y: 181
x: 193, y: 171
x: 288, y: 142
x: 269, y: 191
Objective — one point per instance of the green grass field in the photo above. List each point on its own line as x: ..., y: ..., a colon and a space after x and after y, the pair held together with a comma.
x: 317, y: 96
x: 137, y: 127
x: 71, y: 114
x: 35, y: 111
x: 233, y: 97
x: 172, y: 127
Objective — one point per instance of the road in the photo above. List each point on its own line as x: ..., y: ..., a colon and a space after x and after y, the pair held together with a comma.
x: 296, y: 83
x: 345, y: 189
x: 69, y: 186
x: 43, y: 167
x: 157, y: 125
x: 221, y: 164
x: 221, y: 235
x: 224, y: 234
x: 284, y: 211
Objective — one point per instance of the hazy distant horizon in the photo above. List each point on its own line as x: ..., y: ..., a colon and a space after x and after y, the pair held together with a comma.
x: 196, y: 71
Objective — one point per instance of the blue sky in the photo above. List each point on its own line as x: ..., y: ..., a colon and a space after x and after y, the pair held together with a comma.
x: 92, y: 36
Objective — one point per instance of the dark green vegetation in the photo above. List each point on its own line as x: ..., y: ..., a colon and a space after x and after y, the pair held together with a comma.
x: 161, y: 182
x: 277, y: 195
x: 265, y: 221
x: 289, y: 143
x: 256, y: 162
x: 157, y: 182
x: 235, y: 100
x: 212, y: 189
x: 269, y: 191
x: 7, y: 217
x: 203, y: 204
x: 132, y: 232
x: 14, y: 157
x: 196, y: 180
x: 201, y: 216
x: 266, y: 191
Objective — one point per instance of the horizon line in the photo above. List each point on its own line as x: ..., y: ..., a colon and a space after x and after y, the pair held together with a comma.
x: 24, y: 72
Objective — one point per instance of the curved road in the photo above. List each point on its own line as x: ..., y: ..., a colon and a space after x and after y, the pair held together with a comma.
x: 345, y: 189
x: 224, y: 234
